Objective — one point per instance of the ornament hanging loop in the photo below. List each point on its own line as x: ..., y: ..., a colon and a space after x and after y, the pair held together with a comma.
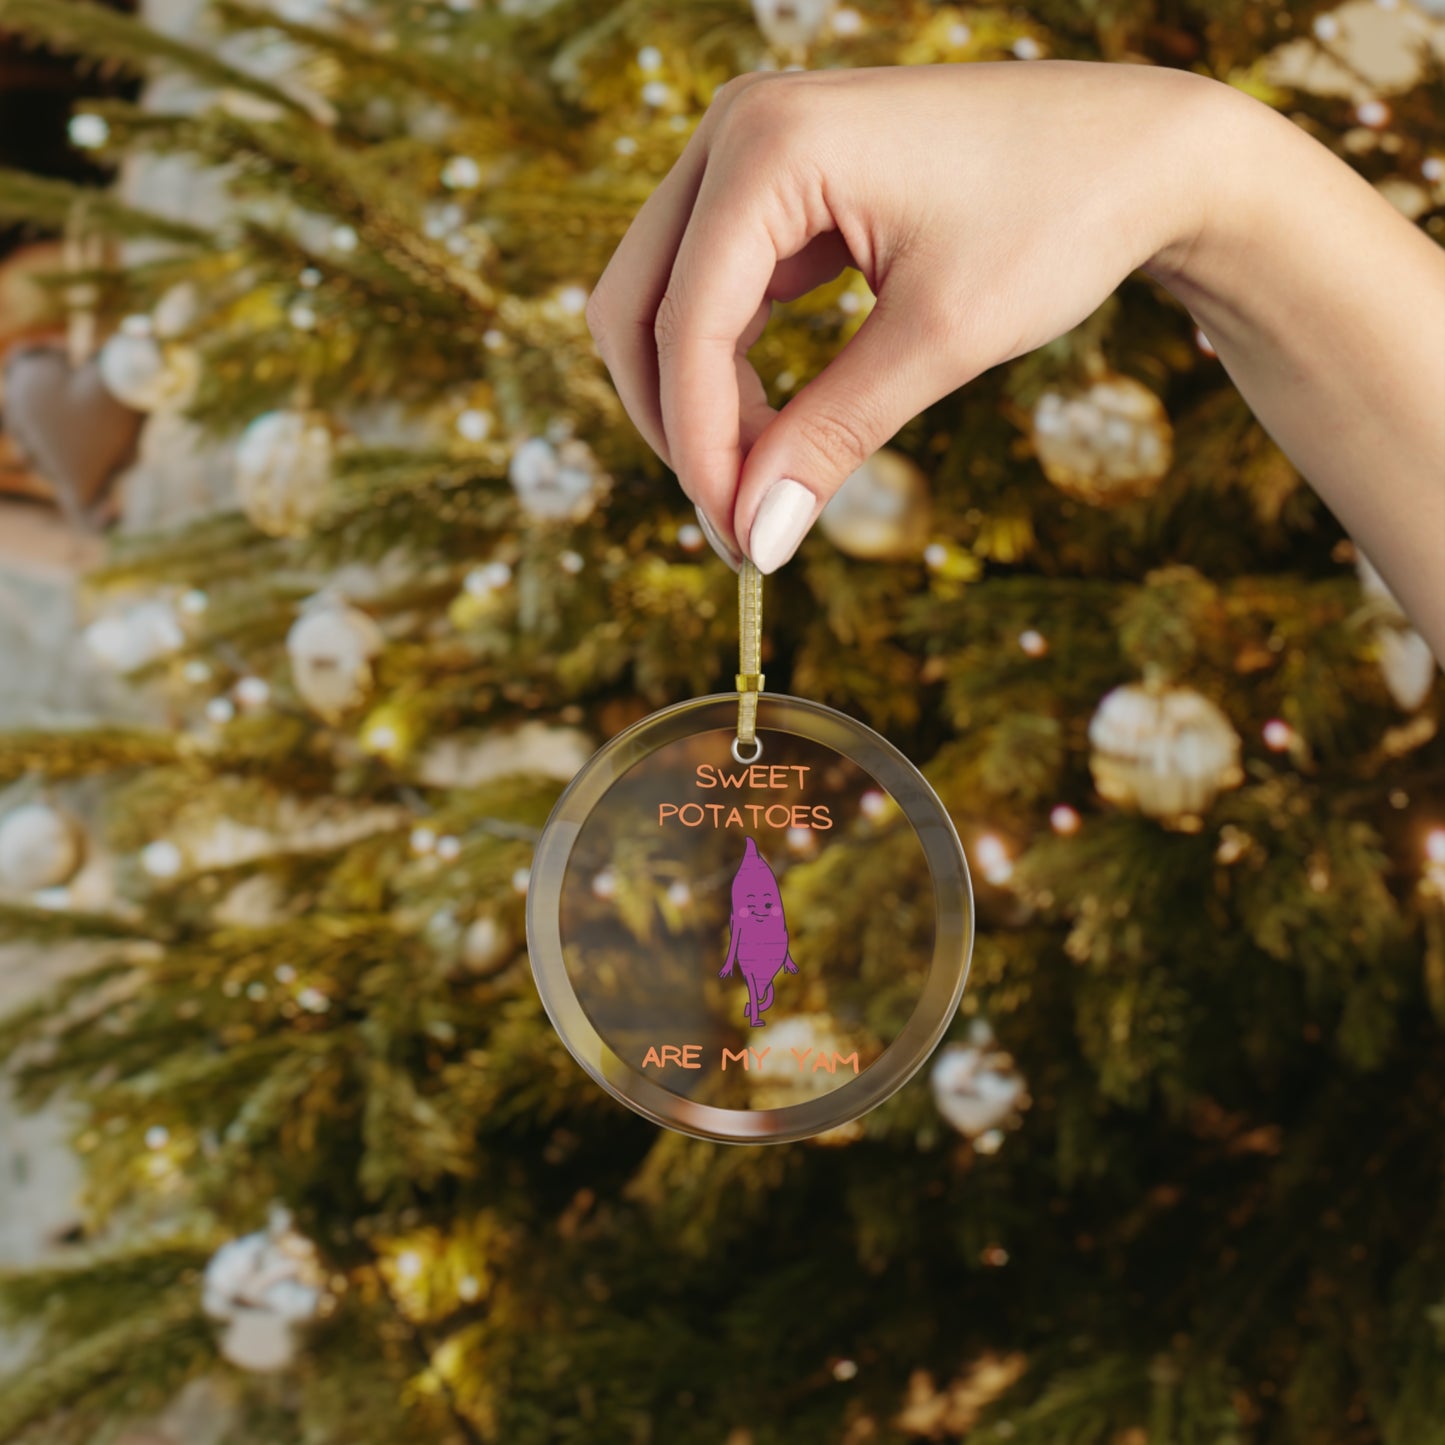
x: 750, y: 656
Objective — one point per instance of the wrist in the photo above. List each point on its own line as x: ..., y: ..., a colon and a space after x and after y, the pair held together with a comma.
x: 1221, y: 143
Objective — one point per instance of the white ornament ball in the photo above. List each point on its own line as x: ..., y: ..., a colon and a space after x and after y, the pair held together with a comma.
x: 260, y: 1342
x: 882, y: 512
x: 792, y: 24
x: 1166, y: 751
x: 264, y: 1287
x: 976, y: 1088
x: 40, y: 847
x: 331, y: 647
x: 136, y: 637
x: 554, y: 483
x: 1107, y: 444
x: 486, y: 946
x: 283, y: 470
x: 797, y: 1042
x: 148, y: 374
x: 1406, y: 662
x: 162, y: 859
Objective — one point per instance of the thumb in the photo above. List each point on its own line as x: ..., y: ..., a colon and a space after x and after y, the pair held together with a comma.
x: 902, y: 359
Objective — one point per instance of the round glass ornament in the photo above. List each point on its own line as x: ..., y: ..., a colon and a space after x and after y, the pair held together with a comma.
x: 750, y: 941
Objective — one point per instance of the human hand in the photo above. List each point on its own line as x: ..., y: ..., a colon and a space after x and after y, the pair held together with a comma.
x: 990, y: 208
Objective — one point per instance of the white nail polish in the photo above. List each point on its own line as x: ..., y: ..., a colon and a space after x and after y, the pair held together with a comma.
x: 716, y: 542
x: 781, y: 523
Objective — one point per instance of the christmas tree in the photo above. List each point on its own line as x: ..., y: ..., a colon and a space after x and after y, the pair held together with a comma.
x: 1176, y: 1174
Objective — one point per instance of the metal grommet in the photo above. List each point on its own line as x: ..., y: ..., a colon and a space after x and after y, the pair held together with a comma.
x: 757, y: 751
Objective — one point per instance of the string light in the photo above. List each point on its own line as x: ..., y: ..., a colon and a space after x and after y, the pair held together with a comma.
x: 1033, y: 642
x: 1278, y: 735
x: 993, y: 858
x: 490, y: 577
x: 1064, y: 820
x: 88, y: 132
x: 423, y: 840
x: 253, y: 692
x: 161, y: 859
x: 380, y: 738
x: 873, y: 804
x: 461, y: 173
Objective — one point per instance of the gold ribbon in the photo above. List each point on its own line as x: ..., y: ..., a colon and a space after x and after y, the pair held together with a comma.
x: 750, y: 658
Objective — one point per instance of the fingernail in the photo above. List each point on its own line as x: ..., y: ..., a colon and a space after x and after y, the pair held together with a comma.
x: 716, y: 542
x: 781, y: 524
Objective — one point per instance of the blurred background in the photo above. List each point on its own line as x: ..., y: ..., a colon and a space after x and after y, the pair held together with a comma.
x: 328, y: 555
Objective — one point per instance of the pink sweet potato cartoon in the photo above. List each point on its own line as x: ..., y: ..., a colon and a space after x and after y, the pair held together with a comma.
x: 759, y: 944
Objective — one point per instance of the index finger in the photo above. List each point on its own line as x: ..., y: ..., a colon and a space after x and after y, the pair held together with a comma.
x: 623, y: 306
x: 735, y: 238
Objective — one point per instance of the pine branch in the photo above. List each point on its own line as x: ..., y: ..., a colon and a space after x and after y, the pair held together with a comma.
x: 52, y: 204
x: 506, y: 93
x: 130, y: 1365
x: 122, y: 42
x: 59, y: 754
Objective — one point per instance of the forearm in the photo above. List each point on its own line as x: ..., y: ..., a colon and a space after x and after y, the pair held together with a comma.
x: 1327, y: 309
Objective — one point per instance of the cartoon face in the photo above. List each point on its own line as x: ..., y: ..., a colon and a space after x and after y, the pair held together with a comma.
x: 755, y: 889
x: 761, y: 907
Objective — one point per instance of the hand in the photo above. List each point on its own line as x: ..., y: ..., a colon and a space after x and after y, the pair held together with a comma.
x: 990, y: 207
x: 789, y: 964
x: 725, y: 971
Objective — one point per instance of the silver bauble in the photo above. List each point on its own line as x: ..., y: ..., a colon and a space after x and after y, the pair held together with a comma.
x: 1406, y: 662
x: 331, y: 647
x: 1110, y: 443
x: 283, y: 470
x: 40, y: 847
x: 554, y: 483
x: 1167, y: 751
x: 976, y: 1088
x: 486, y: 946
x: 792, y: 24
x: 882, y: 512
x: 148, y: 374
